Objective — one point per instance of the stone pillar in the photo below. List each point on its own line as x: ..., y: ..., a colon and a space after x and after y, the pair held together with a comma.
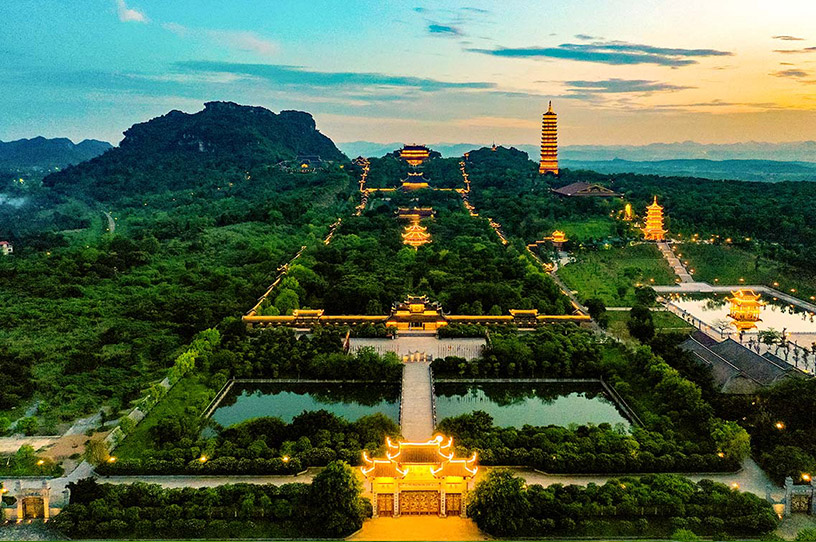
x: 375, y: 501
x: 18, y: 490
x: 46, y: 497
x: 442, y: 503
x: 788, y: 495
x: 396, y: 503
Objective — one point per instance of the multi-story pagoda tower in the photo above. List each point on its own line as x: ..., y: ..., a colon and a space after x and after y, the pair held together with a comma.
x: 745, y: 308
x: 416, y: 235
x: 549, y: 143
x: 653, y: 231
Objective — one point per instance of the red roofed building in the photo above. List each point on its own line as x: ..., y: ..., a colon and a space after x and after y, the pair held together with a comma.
x: 6, y: 248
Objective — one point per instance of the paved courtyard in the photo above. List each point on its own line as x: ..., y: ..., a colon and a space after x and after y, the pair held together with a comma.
x: 436, y: 348
x: 419, y: 528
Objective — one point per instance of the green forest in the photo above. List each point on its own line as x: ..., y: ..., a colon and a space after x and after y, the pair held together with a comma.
x: 137, y: 265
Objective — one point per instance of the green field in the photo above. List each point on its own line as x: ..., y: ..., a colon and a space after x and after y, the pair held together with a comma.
x: 718, y: 264
x: 591, y: 228
x: 612, y: 274
x: 664, y: 322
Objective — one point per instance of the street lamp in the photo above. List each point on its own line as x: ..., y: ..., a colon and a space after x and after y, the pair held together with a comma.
x: 779, y: 425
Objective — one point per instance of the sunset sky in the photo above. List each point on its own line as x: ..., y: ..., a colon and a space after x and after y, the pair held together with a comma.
x: 618, y: 72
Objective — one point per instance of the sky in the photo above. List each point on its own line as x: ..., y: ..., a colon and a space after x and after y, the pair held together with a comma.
x: 619, y: 72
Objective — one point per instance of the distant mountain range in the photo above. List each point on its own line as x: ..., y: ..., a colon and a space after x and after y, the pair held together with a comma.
x: 798, y: 151
x: 45, y: 154
x: 767, y: 162
x: 743, y: 170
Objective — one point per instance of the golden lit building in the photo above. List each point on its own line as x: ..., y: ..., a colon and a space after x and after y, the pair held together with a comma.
x: 419, y: 478
x: 745, y: 309
x: 415, y: 181
x: 558, y: 238
x: 414, y: 154
x: 653, y: 230
x: 549, y: 143
x: 628, y: 214
x: 416, y: 235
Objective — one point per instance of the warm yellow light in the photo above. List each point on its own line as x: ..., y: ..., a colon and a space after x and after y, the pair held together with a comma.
x: 735, y: 486
x: 285, y: 459
x: 779, y: 425
x: 720, y: 454
x: 806, y: 477
x: 742, y: 280
x: 203, y: 459
x: 776, y: 284
x: 41, y: 462
x: 112, y: 459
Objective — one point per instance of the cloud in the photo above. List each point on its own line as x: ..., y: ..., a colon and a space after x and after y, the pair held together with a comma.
x: 617, y: 86
x: 129, y: 15
x: 609, y: 52
x: 587, y: 37
x: 792, y: 73
x: 245, y: 41
x: 298, y: 75
x: 795, y: 51
x: 787, y: 38
x: 444, y: 30
x: 240, y: 40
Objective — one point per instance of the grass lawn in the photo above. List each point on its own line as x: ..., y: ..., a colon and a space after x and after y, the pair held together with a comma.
x: 582, y: 230
x: 729, y: 265
x: 190, y: 392
x: 664, y: 322
x: 611, y: 274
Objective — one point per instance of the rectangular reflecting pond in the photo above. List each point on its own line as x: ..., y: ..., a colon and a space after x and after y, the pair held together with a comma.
x: 539, y: 404
x: 713, y: 309
x: 285, y: 401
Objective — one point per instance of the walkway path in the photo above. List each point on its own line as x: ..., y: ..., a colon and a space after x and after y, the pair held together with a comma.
x: 674, y: 262
x: 416, y: 411
x: 111, y: 222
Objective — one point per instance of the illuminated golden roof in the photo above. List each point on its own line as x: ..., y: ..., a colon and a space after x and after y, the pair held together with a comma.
x: 403, y: 457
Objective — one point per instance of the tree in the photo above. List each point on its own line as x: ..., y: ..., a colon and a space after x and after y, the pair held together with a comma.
x: 597, y: 310
x: 499, y: 504
x: 334, y: 497
x: 96, y: 452
x: 731, y: 439
x: 287, y: 301
x: 645, y: 295
x: 28, y: 426
x: 640, y: 323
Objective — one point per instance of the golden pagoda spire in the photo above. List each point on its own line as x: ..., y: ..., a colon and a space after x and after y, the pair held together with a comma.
x: 653, y: 230
x: 549, y: 142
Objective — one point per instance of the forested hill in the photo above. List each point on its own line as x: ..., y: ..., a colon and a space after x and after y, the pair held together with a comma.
x: 39, y: 152
x: 180, y: 150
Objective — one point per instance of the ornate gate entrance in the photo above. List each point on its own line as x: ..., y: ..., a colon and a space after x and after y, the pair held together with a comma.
x: 453, y: 504
x: 385, y: 504
x: 419, y: 503
x: 33, y: 508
